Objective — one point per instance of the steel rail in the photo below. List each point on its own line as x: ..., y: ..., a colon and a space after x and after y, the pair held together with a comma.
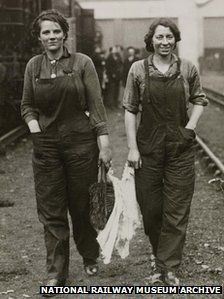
x: 218, y: 163
x: 13, y: 135
x: 214, y: 96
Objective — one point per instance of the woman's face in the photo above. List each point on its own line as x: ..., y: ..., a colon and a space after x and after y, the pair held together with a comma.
x: 163, y: 41
x: 51, y: 36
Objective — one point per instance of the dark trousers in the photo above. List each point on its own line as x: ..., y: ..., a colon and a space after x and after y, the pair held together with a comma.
x: 112, y: 94
x: 65, y: 165
x: 164, y: 188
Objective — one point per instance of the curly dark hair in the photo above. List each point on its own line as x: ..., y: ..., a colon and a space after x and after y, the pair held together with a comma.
x: 50, y: 15
x: 166, y: 22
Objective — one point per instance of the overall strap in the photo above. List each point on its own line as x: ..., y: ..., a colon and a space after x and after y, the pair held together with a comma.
x: 69, y: 68
x: 37, y: 65
x: 184, y: 107
x: 73, y: 71
x: 178, y: 64
x: 146, y: 97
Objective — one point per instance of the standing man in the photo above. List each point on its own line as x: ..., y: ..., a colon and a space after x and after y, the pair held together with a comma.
x: 129, y: 60
x: 114, y: 73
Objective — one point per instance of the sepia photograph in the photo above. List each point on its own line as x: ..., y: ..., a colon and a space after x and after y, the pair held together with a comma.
x: 111, y: 149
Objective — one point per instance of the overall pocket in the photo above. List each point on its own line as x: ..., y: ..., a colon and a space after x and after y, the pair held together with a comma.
x: 187, y: 134
x: 187, y: 137
x: 35, y: 136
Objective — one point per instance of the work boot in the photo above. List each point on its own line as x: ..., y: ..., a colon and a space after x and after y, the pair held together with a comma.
x: 170, y: 278
x: 90, y: 266
x: 53, y: 283
x: 156, y: 276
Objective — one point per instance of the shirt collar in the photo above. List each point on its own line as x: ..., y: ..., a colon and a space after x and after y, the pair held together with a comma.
x: 65, y: 53
x: 174, y: 59
x: 153, y: 71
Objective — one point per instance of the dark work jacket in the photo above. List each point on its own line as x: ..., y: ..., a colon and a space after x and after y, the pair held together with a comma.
x: 87, y: 83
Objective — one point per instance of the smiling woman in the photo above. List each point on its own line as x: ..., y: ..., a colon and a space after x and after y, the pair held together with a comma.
x: 161, y: 149
x: 59, y: 89
x: 163, y: 41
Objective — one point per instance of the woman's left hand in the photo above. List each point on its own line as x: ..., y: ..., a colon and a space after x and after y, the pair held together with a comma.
x: 105, y: 156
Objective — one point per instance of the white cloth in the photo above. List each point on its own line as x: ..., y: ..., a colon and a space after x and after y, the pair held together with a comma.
x: 124, y: 219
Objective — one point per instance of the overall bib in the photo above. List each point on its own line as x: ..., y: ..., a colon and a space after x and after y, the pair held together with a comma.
x: 65, y: 159
x: 165, y: 183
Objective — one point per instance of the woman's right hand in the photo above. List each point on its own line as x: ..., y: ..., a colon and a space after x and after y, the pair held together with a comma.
x: 134, y: 159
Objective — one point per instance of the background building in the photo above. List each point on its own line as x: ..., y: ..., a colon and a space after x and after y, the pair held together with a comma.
x: 126, y: 22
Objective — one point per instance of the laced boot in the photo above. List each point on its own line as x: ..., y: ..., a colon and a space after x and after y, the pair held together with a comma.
x: 171, y: 279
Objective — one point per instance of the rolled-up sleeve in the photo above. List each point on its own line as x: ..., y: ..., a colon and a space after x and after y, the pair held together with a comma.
x: 197, y: 96
x: 131, y: 99
x: 96, y: 108
x: 28, y: 110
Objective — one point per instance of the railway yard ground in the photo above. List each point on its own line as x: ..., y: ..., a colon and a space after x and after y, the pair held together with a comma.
x: 213, y: 80
x: 211, y: 125
x: 22, y: 252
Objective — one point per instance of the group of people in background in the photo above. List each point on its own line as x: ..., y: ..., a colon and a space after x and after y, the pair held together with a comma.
x: 112, y: 70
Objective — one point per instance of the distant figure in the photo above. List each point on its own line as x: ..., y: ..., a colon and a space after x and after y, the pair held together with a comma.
x: 114, y: 73
x: 99, y: 63
x: 120, y: 51
x: 129, y: 60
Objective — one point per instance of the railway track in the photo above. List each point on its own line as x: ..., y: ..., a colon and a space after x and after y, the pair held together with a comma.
x: 13, y: 136
x: 212, y: 162
x: 214, y: 96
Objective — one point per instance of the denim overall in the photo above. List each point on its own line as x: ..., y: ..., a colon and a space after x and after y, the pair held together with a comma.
x: 165, y: 183
x: 65, y: 161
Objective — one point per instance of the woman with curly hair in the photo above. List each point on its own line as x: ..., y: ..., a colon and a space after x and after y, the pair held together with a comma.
x: 161, y: 148
x: 63, y: 109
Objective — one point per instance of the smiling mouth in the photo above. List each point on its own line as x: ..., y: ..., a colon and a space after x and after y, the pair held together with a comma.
x: 165, y: 50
